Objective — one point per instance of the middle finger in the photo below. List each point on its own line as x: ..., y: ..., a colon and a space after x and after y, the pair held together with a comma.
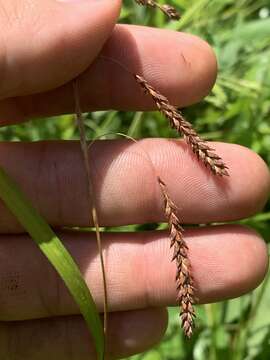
x: 125, y: 186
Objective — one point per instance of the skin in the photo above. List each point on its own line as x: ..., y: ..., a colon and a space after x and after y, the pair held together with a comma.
x: 43, y: 46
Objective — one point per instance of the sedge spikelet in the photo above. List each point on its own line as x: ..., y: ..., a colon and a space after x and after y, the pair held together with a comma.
x: 169, y: 10
x: 184, y: 280
x: 177, y: 121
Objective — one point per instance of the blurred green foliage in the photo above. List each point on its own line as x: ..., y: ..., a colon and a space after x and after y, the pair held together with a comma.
x: 237, y: 111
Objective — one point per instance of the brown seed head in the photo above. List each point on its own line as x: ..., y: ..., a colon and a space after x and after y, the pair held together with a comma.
x: 184, y: 280
x: 169, y: 10
x: 177, y: 121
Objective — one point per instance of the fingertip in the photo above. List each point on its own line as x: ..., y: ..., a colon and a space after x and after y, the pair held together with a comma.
x: 198, y: 70
x: 250, y: 263
x: 250, y: 177
x: 234, y: 264
x: 260, y: 171
x: 142, y: 330
x: 258, y: 254
x: 190, y: 69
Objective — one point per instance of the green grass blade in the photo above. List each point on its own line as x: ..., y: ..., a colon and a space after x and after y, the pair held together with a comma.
x: 57, y: 254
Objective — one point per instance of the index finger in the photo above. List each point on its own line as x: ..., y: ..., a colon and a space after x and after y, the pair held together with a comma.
x: 181, y: 66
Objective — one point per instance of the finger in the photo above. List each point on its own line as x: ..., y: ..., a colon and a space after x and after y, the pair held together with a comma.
x: 65, y: 337
x: 181, y: 66
x: 53, y: 177
x: 46, y: 43
x: 227, y: 261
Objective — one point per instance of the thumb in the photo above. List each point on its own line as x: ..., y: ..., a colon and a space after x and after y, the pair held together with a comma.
x: 46, y: 43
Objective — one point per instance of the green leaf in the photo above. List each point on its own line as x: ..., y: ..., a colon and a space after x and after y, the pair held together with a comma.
x: 57, y: 254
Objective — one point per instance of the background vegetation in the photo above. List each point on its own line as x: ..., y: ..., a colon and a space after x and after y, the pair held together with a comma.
x: 238, y: 111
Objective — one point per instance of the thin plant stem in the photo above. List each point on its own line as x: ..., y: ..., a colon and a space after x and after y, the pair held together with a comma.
x: 91, y: 196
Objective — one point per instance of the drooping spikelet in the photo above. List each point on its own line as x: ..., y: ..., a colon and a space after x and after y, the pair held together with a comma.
x: 177, y: 121
x: 184, y: 280
x: 169, y: 10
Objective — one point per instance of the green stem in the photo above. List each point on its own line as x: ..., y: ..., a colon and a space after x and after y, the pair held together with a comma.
x: 212, y: 323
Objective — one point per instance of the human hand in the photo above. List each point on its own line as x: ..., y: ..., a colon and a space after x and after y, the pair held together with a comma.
x: 44, y: 45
